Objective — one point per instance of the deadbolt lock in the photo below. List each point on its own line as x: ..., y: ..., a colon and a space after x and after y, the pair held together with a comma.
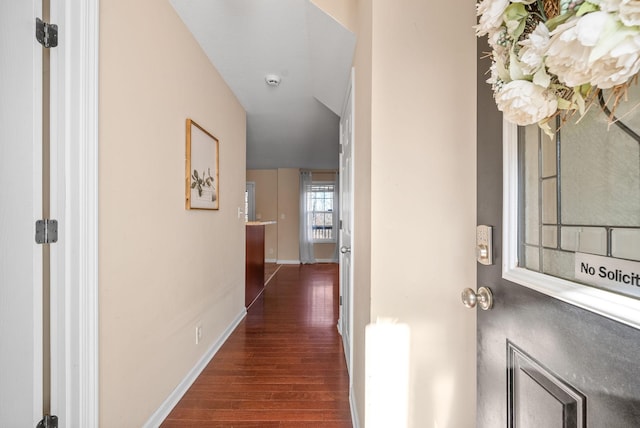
x: 484, y: 244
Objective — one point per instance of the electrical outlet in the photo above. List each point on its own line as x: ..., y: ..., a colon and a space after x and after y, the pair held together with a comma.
x: 198, y: 333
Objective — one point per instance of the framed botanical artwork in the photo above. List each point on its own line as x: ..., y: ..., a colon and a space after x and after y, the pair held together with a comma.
x: 202, y: 181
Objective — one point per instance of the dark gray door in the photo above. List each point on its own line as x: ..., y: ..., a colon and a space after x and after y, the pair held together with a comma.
x: 542, y: 362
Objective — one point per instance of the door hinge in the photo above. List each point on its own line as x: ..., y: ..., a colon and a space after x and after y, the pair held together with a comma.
x: 46, y: 231
x: 49, y: 421
x: 340, y: 224
x: 340, y: 300
x: 46, y: 34
x: 340, y: 149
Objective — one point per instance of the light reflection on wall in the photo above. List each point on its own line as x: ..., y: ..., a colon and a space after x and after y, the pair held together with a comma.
x: 443, y: 391
x: 387, y: 374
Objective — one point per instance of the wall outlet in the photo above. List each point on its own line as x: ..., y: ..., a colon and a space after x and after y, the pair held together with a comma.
x: 198, y: 334
x: 270, y: 250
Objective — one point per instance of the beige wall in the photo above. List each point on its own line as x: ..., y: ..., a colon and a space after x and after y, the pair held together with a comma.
x: 163, y: 269
x: 418, y: 92
x: 266, y: 194
x: 288, y: 214
x: 343, y: 11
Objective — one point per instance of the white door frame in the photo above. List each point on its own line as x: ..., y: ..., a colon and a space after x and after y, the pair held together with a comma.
x: 74, y: 202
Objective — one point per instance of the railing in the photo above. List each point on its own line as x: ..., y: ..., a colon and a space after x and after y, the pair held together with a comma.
x: 322, y: 233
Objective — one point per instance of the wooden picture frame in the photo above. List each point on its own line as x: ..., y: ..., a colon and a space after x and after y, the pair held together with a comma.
x: 202, y: 169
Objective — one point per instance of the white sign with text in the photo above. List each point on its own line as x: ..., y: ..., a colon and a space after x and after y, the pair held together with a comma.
x: 606, y: 272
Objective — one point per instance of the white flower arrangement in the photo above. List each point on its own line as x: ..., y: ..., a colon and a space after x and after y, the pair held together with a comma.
x: 552, y: 57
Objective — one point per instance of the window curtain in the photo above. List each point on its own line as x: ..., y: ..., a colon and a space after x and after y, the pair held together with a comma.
x: 336, y: 217
x: 306, y: 222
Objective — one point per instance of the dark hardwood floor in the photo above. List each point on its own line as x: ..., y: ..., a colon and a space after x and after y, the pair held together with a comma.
x: 282, y: 367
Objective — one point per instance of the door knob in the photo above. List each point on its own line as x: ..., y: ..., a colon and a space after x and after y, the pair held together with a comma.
x: 345, y: 250
x: 483, y: 298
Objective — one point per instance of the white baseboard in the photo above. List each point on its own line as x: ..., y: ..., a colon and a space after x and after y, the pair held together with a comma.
x: 288, y: 262
x: 354, y: 409
x: 271, y: 260
x: 297, y: 262
x: 165, y: 408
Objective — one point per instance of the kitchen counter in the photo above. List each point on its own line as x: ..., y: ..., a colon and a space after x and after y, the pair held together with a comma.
x: 254, y: 265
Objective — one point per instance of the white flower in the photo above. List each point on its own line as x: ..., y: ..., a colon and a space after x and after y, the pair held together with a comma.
x: 499, y: 74
x: 607, y: 5
x: 618, y: 65
x: 525, y: 103
x: 567, y: 57
x: 627, y: 10
x: 630, y: 12
x: 500, y: 43
x: 533, y: 49
x: 595, y: 49
x: 490, y: 12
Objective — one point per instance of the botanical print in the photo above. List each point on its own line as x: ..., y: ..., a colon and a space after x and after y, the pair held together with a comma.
x: 202, y: 190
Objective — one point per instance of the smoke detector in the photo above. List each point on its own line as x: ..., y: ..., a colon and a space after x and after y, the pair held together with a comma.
x: 272, y: 79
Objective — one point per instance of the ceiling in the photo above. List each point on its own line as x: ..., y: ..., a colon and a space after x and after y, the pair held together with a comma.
x: 296, y: 124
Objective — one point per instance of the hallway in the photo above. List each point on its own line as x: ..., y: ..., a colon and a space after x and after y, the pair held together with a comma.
x: 283, y: 366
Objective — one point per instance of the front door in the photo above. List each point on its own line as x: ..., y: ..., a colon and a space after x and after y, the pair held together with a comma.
x: 565, y: 355
x: 20, y: 205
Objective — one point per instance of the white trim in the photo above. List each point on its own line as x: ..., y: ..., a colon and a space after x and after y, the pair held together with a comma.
x: 614, y: 306
x: 271, y: 261
x: 288, y: 262
x: 74, y: 201
x: 165, y: 408
x: 355, y: 421
x: 326, y: 261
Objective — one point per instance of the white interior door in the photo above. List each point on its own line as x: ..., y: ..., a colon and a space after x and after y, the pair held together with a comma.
x: 346, y: 219
x: 20, y: 206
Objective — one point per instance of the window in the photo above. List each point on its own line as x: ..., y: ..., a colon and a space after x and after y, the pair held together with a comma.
x: 320, y: 206
x: 580, y: 201
x: 250, y: 201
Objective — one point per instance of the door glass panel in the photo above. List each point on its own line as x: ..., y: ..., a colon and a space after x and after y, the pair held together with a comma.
x: 580, y: 193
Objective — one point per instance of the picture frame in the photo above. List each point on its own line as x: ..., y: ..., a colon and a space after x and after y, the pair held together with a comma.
x: 202, y: 185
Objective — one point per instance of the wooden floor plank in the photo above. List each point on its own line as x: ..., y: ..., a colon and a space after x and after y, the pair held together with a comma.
x: 282, y: 367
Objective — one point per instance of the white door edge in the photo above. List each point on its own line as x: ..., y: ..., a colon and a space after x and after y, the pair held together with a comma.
x: 349, y: 102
